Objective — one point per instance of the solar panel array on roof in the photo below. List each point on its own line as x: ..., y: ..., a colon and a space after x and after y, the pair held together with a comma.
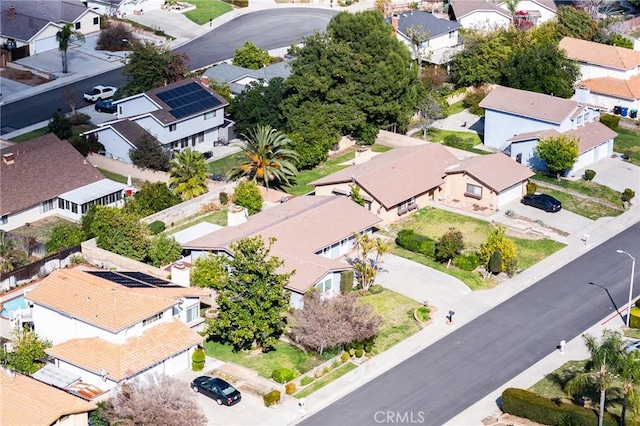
x: 188, y: 99
x: 133, y: 279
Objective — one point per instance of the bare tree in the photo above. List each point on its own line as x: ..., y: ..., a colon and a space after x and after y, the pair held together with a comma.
x: 590, y: 6
x: 329, y: 323
x: 153, y: 400
x: 71, y: 98
x: 429, y: 110
x: 419, y: 35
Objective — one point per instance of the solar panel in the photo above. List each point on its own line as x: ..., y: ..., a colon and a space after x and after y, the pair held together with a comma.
x: 133, y: 279
x: 188, y: 99
x: 150, y: 279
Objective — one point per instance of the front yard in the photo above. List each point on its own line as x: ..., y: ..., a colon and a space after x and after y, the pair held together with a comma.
x: 628, y: 140
x: 207, y: 10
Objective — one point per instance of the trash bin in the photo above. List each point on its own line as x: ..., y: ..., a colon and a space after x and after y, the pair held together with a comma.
x: 633, y: 113
x: 624, y: 111
x: 616, y: 109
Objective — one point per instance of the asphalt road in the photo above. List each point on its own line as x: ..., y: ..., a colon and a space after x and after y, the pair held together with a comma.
x: 269, y: 29
x: 444, y: 379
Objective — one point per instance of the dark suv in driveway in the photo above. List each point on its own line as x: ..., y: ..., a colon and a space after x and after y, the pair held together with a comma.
x: 217, y: 389
x: 542, y: 202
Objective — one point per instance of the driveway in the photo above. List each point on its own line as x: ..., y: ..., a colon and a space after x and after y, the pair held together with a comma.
x: 420, y: 283
x: 563, y: 220
x: 615, y: 173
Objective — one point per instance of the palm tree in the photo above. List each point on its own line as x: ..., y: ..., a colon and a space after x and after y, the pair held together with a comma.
x: 267, y: 158
x: 188, y: 174
x: 64, y: 37
x: 365, y: 266
x: 10, y: 256
x: 600, y: 368
x: 629, y: 370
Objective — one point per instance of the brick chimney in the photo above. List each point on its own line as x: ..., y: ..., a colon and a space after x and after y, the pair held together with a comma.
x: 12, y: 11
x: 204, y: 80
x: 394, y: 23
x: 8, y: 158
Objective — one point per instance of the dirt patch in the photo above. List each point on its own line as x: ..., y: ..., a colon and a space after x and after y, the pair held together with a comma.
x: 40, y: 229
x: 24, y: 77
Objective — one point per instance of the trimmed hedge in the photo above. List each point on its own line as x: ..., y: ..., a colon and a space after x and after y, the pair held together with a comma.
x: 466, y: 262
x: 376, y: 288
x: 282, y: 375
x: 306, y: 380
x: 198, y: 359
x: 346, y: 281
x: 272, y: 398
x: 611, y: 121
x: 589, y: 174
x: 290, y: 388
x: 408, y: 239
x: 523, y: 403
x: 156, y: 227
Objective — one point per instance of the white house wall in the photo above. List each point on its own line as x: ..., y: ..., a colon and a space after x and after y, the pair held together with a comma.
x: 526, y: 150
x: 136, y: 106
x: 500, y: 126
x: 510, y: 194
x: 87, y: 376
x: 86, y: 21
x: 48, y: 33
x: 29, y: 215
x: 185, y: 128
x: 60, y: 328
x: 115, y: 145
x: 588, y: 71
x: 594, y: 155
x: 484, y: 20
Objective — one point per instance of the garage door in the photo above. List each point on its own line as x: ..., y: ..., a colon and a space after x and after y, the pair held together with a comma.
x: 45, y: 44
x: 512, y: 194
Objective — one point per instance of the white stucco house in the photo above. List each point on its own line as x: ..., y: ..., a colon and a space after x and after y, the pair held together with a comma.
x: 609, y: 75
x: 34, y: 23
x: 516, y: 120
x: 122, y: 8
x: 108, y: 326
x: 46, y: 177
x: 487, y: 15
x: 440, y: 36
x: 185, y: 114
x: 313, y: 234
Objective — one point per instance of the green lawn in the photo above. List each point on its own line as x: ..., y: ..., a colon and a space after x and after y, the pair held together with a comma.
x: 397, y: 312
x: 628, y: 140
x: 583, y: 207
x: 456, y: 108
x: 592, y: 189
x: 31, y: 135
x: 225, y: 164
x: 325, y: 380
x: 207, y: 10
x: 217, y: 218
x: 120, y: 178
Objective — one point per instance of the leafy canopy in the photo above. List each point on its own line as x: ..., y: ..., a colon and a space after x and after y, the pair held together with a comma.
x: 120, y: 232
x: 248, y: 195
x: 188, y: 174
x: 499, y: 242
x: 63, y: 236
x: 251, y: 56
x: 258, y: 105
x: 251, y: 298
x: 150, y: 199
x: 149, y: 154
x: 28, y: 350
x: 559, y: 152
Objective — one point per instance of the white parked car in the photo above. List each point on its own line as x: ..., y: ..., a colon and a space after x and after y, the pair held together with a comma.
x: 100, y: 92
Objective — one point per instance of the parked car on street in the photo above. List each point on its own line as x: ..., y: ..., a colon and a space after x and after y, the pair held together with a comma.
x: 100, y: 92
x: 542, y: 202
x: 216, y: 389
x: 105, y: 106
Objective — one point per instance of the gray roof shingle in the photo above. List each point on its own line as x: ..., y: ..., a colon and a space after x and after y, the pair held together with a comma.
x: 33, y: 15
x: 430, y: 23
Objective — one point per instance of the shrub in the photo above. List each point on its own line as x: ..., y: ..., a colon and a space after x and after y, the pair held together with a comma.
x: 352, y: 351
x: 248, y: 195
x: 60, y: 125
x: 156, y: 227
x: 408, y: 239
x: 609, y: 120
x: 368, y: 349
x: 532, y: 187
x: 282, y: 375
x: 589, y: 174
x: 272, y: 398
x: 290, y: 388
x: 344, y: 357
x: 111, y: 38
x: 628, y: 154
x: 198, y: 359
x: 376, y: 288
x: 634, y: 319
x: 306, y: 380
x: 63, y: 236
x: 495, y: 262
x: 510, y: 213
x: 359, y: 353
x: 224, y: 198
x: 422, y: 313
x: 628, y: 195
x: 306, y: 365
x: 79, y: 118
x: 523, y: 403
x: 637, y: 303
x: 319, y: 373
x: 346, y: 281
x: 466, y: 262
x: 472, y: 99
x: 449, y: 245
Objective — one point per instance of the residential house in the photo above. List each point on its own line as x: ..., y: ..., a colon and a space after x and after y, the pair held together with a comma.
x: 46, y: 176
x: 34, y: 23
x: 108, y: 326
x: 26, y: 401
x: 238, y: 78
x: 532, y: 12
x: 405, y: 179
x: 122, y: 8
x: 311, y: 235
x: 516, y: 120
x: 185, y: 114
x: 610, y: 75
x: 478, y: 14
x: 439, y: 37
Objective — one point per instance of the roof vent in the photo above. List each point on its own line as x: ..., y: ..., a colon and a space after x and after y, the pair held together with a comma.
x: 11, y: 11
x: 8, y: 158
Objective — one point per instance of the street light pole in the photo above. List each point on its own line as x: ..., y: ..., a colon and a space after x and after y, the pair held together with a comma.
x: 633, y: 270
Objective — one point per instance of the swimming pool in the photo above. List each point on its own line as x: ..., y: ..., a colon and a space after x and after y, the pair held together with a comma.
x: 11, y: 305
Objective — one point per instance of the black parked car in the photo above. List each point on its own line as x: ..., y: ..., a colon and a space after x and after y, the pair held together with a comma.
x: 542, y: 202
x: 216, y: 389
x: 105, y: 106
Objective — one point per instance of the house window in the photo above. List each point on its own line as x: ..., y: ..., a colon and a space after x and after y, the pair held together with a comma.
x: 199, y: 137
x: 193, y: 313
x: 46, y: 206
x: 152, y: 319
x: 119, y: 109
x: 452, y: 34
x: 473, y: 191
x: 184, y: 142
x: 407, y: 206
x: 173, y: 127
x: 77, y: 25
x: 579, y: 119
x: 4, y: 220
x: 209, y: 115
x: 96, y: 21
x: 325, y: 286
x: 74, y: 207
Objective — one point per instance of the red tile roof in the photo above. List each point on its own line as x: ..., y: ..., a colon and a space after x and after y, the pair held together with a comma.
x: 616, y: 87
x: 600, y: 54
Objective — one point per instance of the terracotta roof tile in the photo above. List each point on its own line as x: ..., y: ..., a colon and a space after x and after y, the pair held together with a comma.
x: 138, y: 353
x: 43, y: 168
x: 96, y: 300
x: 529, y: 104
x: 600, y: 54
x: 626, y: 89
x: 26, y: 401
x: 496, y: 171
x: 591, y: 135
x: 399, y: 174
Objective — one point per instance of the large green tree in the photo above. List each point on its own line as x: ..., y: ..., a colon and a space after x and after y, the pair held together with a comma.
x: 149, y: 66
x: 268, y: 158
x: 188, y: 174
x: 483, y: 58
x: 163, y: 250
x: 120, y: 232
x: 629, y: 371
x: 559, y: 152
x: 258, y: 104
x: 151, y: 198
x: 251, y: 56
x: 541, y: 68
x: 63, y: 236
x: 149, y: 153
x: 251, y: 298
x: 64, y: 36
x: 576, y: 23
x: 353, y: 79
x: 11, y: 256
x: 27, y: 353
